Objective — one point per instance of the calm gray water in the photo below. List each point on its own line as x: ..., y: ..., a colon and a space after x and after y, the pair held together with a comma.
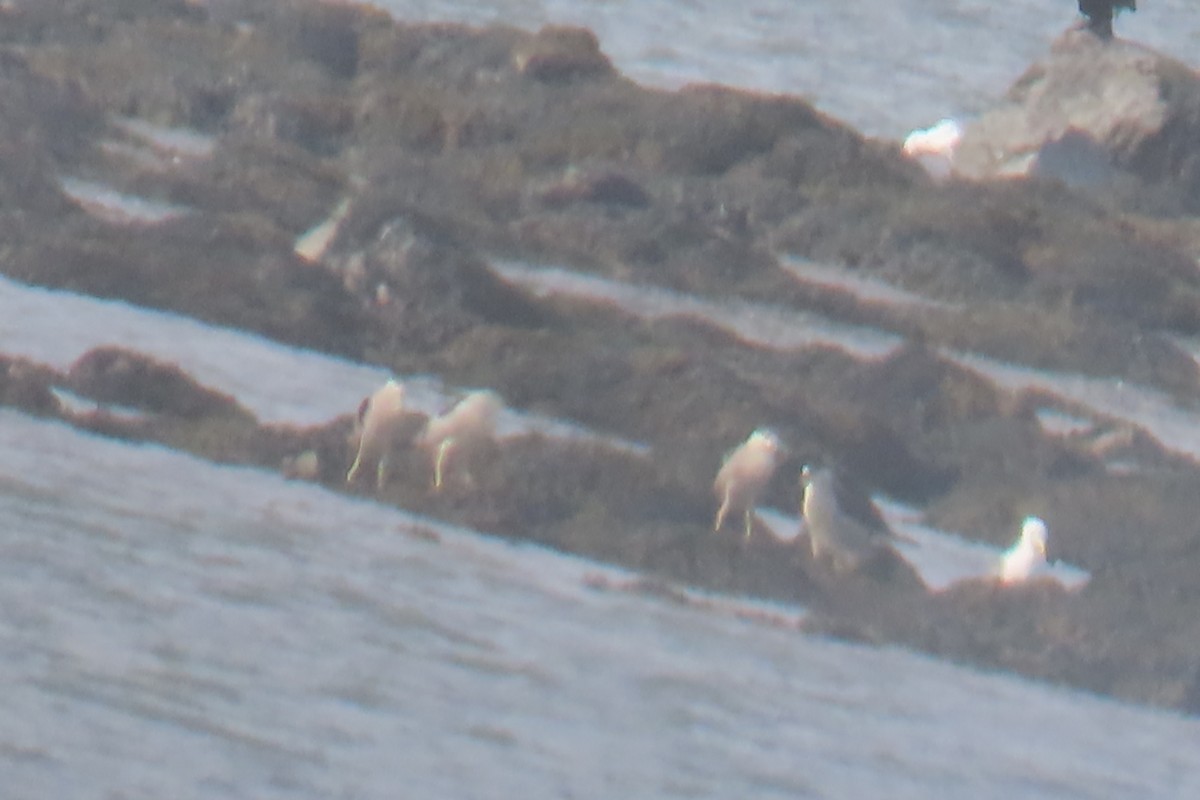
x: 170, y: 628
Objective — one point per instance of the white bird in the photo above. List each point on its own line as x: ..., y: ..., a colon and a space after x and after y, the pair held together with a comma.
x: 938, y: 140
x: 934, y: 148
x: 744, y: 473
x: 841, y: 523
x: 470, y: 423
x: 379, y: 418
x: 1028, y: 555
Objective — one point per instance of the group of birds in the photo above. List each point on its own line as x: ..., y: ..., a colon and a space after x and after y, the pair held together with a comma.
x: 843, y: 527
x: 462, y: 429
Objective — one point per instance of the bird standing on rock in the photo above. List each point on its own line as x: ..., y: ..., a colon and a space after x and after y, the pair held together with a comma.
x: 379, y: 418
x: 1028, y: 555
x: 842, y: 524
x: 470, y: 423
x: 1099, y: 14
x: 744, y: 473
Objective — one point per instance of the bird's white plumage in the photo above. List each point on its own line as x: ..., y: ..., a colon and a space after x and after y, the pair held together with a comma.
x: 471, y: 422
x: 939, y: 140
x: 1024, y: 559
x: 744, y: 474
x: 379, y: 419
x: 934, y: 148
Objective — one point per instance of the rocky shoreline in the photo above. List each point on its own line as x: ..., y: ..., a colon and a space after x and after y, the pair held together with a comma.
x: 437, y: 151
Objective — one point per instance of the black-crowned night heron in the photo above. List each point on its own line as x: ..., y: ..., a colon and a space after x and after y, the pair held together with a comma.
x: 470, y: 423
x: 744, y: 474
x: 1028, y: 555
x: 379, y: 419
x: 842, y: 524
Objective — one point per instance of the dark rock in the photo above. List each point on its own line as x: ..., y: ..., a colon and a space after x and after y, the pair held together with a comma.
x: 325, y: 33
x: 1076, y: 159
x: 27, y: 386
x: 128, y: 378
x: 604, y: 188
x: 315, y: 122
x: 559, y: 53
x: 45, y: 122
x: 237, y: 271
x: 422, y: 286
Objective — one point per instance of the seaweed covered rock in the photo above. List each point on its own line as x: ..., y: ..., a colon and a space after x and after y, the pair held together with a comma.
x: 430, y: 164
x: 420, y: 283
x: 129, y: 378
x: 27, y: 386
x: 560, y: 53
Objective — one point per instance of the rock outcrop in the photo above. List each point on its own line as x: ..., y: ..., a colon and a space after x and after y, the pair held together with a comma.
x: 1091, y: 113
x: 424, y: 155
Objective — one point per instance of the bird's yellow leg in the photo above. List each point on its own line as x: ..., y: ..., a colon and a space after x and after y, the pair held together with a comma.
x: 439, y: 462
x: 354, y: 468
x: 722, y: 511
x: 381, y: 473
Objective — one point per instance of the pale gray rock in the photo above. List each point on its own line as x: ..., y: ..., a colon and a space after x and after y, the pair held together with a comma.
x: 1092, y: 112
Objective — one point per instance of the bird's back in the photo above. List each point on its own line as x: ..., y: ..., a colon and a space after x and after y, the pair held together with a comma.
x: 837, y: 517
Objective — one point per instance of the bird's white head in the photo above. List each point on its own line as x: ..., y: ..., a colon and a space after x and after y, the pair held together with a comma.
x: 484, y: 404
x: 765, y: 439
x: 391, y: 396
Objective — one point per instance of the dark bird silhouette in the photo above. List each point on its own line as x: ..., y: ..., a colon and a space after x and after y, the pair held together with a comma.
x: 1099, y: 14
